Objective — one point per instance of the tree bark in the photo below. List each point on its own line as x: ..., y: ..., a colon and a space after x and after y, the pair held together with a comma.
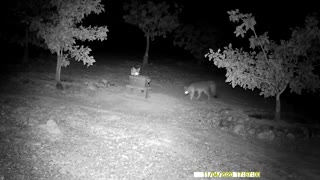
x: 278, y: 108
x: 58, y: 67
x: 146, y: 54
x: 278, y: 103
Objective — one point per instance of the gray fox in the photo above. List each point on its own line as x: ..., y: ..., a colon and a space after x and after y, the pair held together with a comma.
x: 207, y: 87
x: 135, y: 70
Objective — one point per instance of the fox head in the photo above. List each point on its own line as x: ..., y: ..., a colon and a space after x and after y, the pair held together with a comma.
x: 135, y: 70
x: 186, y: 90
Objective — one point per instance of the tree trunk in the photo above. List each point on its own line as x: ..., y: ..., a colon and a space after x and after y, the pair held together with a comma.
x: 278, y: 104
x: 146, y: 54
x: 58, y: 67
x: 278, y: 108
x: 25, y: 59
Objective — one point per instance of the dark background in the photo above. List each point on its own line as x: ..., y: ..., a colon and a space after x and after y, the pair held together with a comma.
x: 271, y: 16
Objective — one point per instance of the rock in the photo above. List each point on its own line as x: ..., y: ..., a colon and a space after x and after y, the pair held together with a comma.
x: 100, y: 85
x: 267, y: 135
x: 238, y: 129
x: 225, y: 111
x: 225, y: 123
x: 104, y: 81
x: 240, y: 120
x: 52, y: 127
x: 252, y: 131
x: 91, y: 87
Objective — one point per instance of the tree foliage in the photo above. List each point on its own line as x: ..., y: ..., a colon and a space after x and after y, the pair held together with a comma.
x: 154, y: 19
x: 271, y: 66
x: 60, y: 27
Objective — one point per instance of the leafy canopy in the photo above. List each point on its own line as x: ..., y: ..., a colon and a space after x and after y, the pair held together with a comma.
x: 271, y: 66
x: 61, y: 26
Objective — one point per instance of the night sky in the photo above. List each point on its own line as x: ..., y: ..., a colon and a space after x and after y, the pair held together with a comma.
x: 272, y: 17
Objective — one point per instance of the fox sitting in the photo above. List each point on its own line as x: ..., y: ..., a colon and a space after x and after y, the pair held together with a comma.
x: 207, y: 87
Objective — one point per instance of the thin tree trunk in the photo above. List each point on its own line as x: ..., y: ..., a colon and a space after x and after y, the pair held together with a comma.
x: 25, y: 59
x: 146, y: 54
x: 278, y: 104
x: 278, y: 108
x: 58, y: 67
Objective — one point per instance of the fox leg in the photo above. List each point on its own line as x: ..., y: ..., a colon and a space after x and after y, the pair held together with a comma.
x: 209, y: 96
x: 191, y: 95
x: 199, y: 94
x: 207, y: 92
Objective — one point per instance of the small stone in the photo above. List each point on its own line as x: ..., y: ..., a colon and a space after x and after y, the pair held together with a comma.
x: 238, y: 129
x: 240, y: 120
x: 92, y: 87
x: 267, y: 135
x: 230, y: 118
x: 252, y: 131
x: 52, y: 127
x: 225, y: 123
x: 104, y: 81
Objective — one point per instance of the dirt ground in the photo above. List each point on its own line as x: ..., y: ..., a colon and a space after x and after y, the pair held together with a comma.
x: 90, y: 132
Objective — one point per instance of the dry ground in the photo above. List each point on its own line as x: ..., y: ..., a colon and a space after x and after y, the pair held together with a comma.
x: 104, y: 133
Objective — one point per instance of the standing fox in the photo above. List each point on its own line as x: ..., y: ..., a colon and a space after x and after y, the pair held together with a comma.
x: 207, y: 87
